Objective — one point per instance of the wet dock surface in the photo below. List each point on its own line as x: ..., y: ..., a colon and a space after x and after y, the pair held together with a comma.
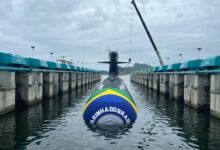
x: 58, y: 124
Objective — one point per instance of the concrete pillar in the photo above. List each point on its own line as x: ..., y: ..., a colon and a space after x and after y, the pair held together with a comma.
x: 83, y: 79
x: 95, y: 77
x: 136, y: 78
x: 142, y: 79
x: 145, y: 80
x: 87, y: 78
x: 90, y: 78
x: 99, y: 77
x: 150, y: 81
x: 156, y: 85
x: 142, y: 76
x: 50, y: 84
x: 164, y: 84
x: 133, y: 78
x: 7, y: 92
x: 215, y: 95
x: 196, y: 90
x: 176, y: 83
x: 79, y: 80
x: 72, y: 80
x: 139, y: 79
x: 63, y: 82
x: 29, y: 87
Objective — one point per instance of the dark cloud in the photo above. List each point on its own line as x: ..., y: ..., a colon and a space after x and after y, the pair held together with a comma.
x: 83, y: 30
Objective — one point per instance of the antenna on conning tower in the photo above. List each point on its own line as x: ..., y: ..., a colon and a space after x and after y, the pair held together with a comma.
x: 148, y: 33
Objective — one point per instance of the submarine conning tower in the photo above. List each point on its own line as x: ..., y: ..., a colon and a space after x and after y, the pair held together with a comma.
x: 113, y: 63
x: 113, y: 68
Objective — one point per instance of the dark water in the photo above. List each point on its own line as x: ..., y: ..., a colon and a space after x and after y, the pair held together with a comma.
x: 58, y: 124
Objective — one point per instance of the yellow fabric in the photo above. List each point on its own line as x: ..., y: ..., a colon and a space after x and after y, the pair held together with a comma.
x: 110, y: 92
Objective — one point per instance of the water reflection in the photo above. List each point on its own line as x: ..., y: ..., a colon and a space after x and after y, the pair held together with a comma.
x: 195, y: 127
x: 25, y: 125
x: 112, y: 133
x: 58, y: 124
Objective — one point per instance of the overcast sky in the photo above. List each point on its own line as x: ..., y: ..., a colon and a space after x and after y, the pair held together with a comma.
x: 82, y: 30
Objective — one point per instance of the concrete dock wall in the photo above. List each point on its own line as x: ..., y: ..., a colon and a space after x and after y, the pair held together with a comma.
x: 215, y: 95
x: 7, y: 92
x: 199, y: 91
x: 29, y: 87
x: 25, y: 80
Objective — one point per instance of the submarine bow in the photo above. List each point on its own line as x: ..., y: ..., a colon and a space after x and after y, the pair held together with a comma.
x: 110, y: 107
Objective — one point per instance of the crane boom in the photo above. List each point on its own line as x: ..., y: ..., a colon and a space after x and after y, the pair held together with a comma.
x: 148, y: 33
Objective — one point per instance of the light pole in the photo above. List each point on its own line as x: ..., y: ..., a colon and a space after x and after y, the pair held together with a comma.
x: 33, y: 47
x: 168, y: 60
x: 63, y: 59
x: 180, y: 56
x: 199, y: 49
x: 51, y: 56
x: 82, y: 64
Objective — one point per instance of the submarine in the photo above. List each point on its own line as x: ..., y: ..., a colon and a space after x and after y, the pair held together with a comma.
x: 111, y: 106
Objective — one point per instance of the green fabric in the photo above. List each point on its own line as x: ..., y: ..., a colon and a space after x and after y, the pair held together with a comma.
x: 113, y: 89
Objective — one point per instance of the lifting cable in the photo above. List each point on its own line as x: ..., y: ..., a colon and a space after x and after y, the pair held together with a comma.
x: 131, y: 31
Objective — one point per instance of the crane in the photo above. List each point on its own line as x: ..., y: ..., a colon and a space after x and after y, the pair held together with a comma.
x: 148, y: 33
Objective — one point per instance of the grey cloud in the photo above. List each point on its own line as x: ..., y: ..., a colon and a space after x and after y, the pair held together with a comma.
x: 83, y: 30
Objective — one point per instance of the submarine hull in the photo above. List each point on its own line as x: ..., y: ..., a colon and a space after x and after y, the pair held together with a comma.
x: 111, y: 106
